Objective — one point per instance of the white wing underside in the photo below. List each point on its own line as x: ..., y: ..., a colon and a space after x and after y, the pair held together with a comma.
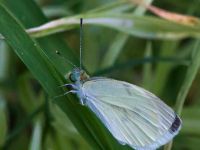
x: 133, y: 115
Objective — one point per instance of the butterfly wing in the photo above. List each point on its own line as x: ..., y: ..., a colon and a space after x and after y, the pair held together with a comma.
x: 133, y: 115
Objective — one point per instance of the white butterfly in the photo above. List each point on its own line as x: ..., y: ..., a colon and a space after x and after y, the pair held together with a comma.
x: 133, y: 115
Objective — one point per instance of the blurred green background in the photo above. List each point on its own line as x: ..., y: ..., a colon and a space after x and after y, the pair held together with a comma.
x: 156, y: 54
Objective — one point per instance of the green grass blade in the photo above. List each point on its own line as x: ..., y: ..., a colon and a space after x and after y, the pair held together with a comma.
x: 49, y: 44
x: 36, y: 142
x: 147, y: 68
x: 168, y: 49
x: 3, y: 120
x: 32, y: 48
x: 132, y: 63
x: 33, y: 57
x: 4, y: 53
x: 190, y: 75
x: 41, y: 66
x: 191, y: 122
x: 118, y: 6
x: 140, y: 26
x: 119, y: 42
x: 26, y: 94
x: 114, y: 50
x: 18, y: 129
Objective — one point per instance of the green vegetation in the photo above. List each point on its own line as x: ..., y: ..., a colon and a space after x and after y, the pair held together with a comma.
x: 121, y: 40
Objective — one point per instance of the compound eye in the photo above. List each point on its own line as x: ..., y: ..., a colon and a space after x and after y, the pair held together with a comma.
x: 71, y: 77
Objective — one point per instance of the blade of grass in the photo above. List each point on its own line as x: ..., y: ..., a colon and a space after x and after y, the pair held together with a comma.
x: 22, y: 125
x: 147, y: 68
x: 36, y: 137
x: 4, y: 56
x: 3, y: 122
x: 119, y: 42
x: 136, y: 62
x: 30, y: 53
x: 168, y: 49
x: 49, y: 45
x: 114, y: 50
x: 190, y: 75
x: 55, y: 11
x: 140, y: 26
x: 188, y: 142
x: 62, y: 123
x: 118, y: 6
x: 26, y: 94
x: 190, y: 117
x: 30, y: 15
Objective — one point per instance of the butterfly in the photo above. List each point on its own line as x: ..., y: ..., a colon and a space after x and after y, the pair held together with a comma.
x: 133, y: 115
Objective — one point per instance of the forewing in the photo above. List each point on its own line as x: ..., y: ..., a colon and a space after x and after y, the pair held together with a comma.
x: 133, y: 115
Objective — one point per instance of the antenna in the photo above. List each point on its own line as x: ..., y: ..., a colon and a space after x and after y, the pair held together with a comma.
x: 81, y: 41
x: 58, y: 53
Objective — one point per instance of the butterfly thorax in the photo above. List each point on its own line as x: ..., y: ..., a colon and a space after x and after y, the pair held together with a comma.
x: 77, y: 77
x: 78, y: 74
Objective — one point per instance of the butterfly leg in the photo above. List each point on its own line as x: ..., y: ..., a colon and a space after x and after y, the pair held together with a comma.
x: 71, y: 86
x: 71, y: 91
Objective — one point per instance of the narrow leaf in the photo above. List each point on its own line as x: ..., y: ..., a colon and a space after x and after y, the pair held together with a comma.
x: 3, y: 120
x: 190, y: 75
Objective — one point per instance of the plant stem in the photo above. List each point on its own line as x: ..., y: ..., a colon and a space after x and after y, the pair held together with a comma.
x: 190, y: 75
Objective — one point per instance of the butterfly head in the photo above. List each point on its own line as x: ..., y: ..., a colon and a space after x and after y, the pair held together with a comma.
x: 77, y: 75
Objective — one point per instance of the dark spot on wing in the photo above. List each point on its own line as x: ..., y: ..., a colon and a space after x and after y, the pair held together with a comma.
x: 175, y: 125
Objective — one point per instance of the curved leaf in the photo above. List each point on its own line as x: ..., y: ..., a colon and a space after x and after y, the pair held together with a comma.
x: 48, y: 73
